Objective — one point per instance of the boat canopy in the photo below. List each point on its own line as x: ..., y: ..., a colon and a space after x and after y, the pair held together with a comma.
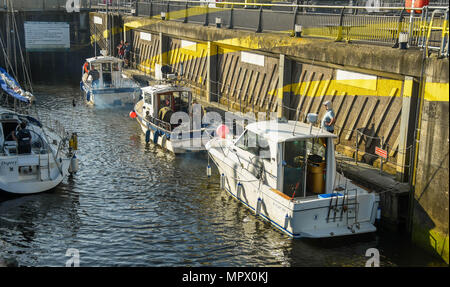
x: 103, y: 59
x: 287, y: 131
x: 159, y: 89
x: 12, y: 88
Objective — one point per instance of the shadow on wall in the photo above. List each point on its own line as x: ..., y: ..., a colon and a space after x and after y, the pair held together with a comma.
x: 425, y: 236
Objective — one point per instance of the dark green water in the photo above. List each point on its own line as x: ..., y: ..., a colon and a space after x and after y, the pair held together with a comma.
x: 133, y: 204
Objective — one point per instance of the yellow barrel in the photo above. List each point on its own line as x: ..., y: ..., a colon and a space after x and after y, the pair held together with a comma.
x: 316, y: 182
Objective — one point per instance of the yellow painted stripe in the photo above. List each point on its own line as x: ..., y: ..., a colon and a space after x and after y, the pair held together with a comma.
x: 437, y: 92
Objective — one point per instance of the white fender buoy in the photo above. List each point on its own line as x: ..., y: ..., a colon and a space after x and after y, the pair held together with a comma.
x: 238, y: 189
x: 73, y: 167
x: 208, y: 171
x: 222, y: 181
x: 258, y: 206
x: 286, y: 221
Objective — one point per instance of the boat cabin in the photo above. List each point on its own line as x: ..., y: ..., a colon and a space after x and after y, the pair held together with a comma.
x: 294, y: 158
x: 9, y: 123
x: 109, y: 71
x: 161, y: 101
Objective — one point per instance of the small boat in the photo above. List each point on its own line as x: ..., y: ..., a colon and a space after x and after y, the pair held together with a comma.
x: 105, y: 85
x: 154, y: 114
x: 285, y: 172
x: 42, y: 165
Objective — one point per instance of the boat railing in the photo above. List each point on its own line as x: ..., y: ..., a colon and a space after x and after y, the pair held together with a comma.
x: 54, y: 126
x: 162, y: 124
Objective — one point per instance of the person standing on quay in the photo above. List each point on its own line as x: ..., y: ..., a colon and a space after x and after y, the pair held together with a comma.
x: 329, y: 118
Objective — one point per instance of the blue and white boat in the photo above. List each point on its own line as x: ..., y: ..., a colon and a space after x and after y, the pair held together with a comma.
x: 112, y: 88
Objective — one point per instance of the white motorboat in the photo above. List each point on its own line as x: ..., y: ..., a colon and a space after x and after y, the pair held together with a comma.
x: 108, y: 86
x: 154, y: 113
x: 45, y: 164
x: 285, y: 172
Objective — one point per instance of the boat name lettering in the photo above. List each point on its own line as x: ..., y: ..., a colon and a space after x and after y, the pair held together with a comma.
x: 279, y: 207
x: 8, y: 163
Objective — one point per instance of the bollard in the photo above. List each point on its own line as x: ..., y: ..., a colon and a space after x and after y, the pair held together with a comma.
x: 218, y: 22
x: 298, y: 31
x: 403, y: 40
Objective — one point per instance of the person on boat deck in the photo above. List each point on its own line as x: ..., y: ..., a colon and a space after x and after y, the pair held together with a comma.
x: 23, y: 138
x: 95, y: 76
x: 121, y: 49
x: 127, y: 53
x: 329, y: 118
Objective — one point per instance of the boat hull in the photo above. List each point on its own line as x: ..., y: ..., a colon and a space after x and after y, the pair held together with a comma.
x: 309, y: 217
x: 109, y: 97
x: 34, y: 182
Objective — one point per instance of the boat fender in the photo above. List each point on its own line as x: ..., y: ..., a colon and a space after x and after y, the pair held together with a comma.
x: 258, y: 206
x: 222, y: 181
x: 88, y: 96
x: 155, y: 137
x: 73, y: 167
x: 286, y: 221
x: 163, y: 140
x: 147, y: 136
x: 378, y: 214
x: 73, y: 141
x: 208, y: 171
x: 238, y: 189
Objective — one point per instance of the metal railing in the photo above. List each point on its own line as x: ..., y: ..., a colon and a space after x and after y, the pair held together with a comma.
x: 425, y: 28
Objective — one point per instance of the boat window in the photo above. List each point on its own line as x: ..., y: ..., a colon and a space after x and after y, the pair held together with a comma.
x: 148, y: 98
x: 164, y: 100
x: 95, y: 66
x: 106, y: 67
x: 295, y: 172
x: 254, y: 144
x: 181, y: 101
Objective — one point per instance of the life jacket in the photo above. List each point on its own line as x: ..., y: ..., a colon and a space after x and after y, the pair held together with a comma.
x: 23, y: 137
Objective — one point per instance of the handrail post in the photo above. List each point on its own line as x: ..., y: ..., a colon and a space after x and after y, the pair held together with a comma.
x: 341, y: 21
x: 259, y: 28
x: 399, y: 30
x: 411, y: 21
x: 230, y: 26
x: 168, y: 10
x: 295, y: 19
x: 445, y: 31
x: 150, y: 12
x: 207, y: 15
x: 186, y: 13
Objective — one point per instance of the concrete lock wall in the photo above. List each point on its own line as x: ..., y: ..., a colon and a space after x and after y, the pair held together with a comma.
x: 431, y: 201
x: 57, y: 65
x: 375, y: 91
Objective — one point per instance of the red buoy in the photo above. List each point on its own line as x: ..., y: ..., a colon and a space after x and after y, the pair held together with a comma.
x: 222, y: 131
x: 133, y: 114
